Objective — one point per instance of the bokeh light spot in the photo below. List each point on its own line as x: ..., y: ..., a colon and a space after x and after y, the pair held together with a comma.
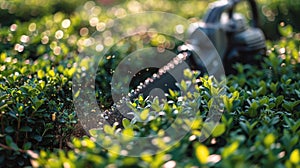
x: 32, y: 27
x: 66, y: 23
x: 24, y: 38
x: 59, y: 34
x: 84, y: 31
x: 13, y: 27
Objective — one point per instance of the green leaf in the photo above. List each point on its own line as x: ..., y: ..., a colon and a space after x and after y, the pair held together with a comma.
x: 296, y: 126
x: 274, y: 87
x: 235, y: 95
x: 3, y: 97
x: 126, y: 123
x: 128, y: 134
x: 23, y: 70
x: 3, y: 57
x: 254, y: 105
x: 244, y: 127
x: 21, y: 108
x: 71, y: 71
x: 294, y: 141
x: 209, y: 104
x: 219, y: 130
x: 141, y: 99
x: 183, y: 86
x: 108, y: 129
x: 264, y: 101
x: 167, y: 108
x: 228, y: 103
x: 27, y: 145
x: 202, y: 153
x: 77, y: 93
x: 295, y: 103
x: 94, y: 132
x: 8, y: 139
x: 172, y: 93
x: 26, y: 129
x: 214, y: 91
x: 3, y: 106
x: 289, y: 106
x: 155, y: 105
x: 188, y: 73
x: 51, y: 73
x: 286, y: 31
x: 298, y: 93
x: 279, y: 100
x: 10, y: 143
x: 42, y: 84
x: 229, y: 150
x: 295, y: 156
x: 269, y: 140
x: 38, y: 103
x: 9, y: 129
x: 287, y: 82
x: 263, y: 88
x: 144, y: 114
x: 41, y: 74
x: 38, y: 138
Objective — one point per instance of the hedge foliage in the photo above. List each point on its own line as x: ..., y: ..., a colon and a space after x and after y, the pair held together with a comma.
x: 260, y: 124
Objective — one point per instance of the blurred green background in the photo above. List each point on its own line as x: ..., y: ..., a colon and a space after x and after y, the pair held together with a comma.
x: 272, y: 12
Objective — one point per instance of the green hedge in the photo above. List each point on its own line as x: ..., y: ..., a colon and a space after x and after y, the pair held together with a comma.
x: 259, y: 127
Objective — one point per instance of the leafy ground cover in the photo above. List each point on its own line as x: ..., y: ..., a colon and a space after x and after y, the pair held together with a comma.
x: 260, y: 125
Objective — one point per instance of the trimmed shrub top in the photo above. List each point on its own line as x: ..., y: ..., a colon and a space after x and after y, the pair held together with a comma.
x: 259, y: 127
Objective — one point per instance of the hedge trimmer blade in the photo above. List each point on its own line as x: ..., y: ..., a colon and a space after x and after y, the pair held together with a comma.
x: 161, y: 79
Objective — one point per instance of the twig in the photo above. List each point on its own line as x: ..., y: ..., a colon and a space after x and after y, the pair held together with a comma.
x: 9, y: 148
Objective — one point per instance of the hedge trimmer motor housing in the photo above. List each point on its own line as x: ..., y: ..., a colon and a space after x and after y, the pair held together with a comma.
x: 234, y: 39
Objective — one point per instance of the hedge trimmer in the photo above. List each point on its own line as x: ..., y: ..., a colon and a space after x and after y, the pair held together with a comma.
x: 232, y: 37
